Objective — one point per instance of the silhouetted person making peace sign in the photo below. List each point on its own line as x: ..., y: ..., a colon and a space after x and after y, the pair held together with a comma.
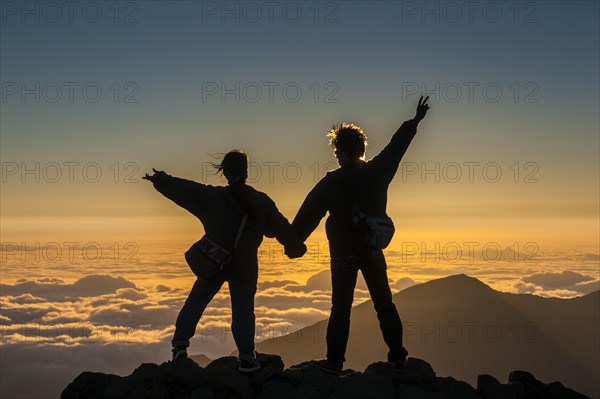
x: 355, y: 195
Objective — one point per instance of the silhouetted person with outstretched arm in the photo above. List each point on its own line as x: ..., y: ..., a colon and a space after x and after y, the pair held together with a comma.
x: 220, y: 209
x: 363, y: 185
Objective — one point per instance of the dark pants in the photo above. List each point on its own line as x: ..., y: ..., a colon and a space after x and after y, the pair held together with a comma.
x: 344, y: 272
x: 242, y: 314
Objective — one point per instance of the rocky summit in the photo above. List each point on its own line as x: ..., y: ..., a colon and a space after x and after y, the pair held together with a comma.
x: 220, y: 379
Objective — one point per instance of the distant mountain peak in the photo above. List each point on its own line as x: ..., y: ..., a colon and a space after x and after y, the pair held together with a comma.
x: 463, y: 278
x: 454, y: 283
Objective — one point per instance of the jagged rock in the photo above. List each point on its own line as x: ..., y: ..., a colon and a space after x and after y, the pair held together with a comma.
x: 490, y: 388
x: 225, y: 373
x: 147, y: 381
x: 306, y: 381
x: 293, y: 383
x: 534, y: 389
x: 455, y: 389
x: 91, y: 384
x: 523, y: 385
x: 220, y: 379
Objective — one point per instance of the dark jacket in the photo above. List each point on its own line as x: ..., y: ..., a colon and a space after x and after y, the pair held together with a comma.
x: 365, y: 183
x: 220, y: 215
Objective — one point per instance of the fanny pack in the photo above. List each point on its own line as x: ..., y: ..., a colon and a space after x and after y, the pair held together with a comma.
x: 375, y: 231
x: 207, y: 259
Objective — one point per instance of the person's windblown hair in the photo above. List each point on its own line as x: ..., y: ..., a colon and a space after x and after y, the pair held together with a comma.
x: 349, y: 138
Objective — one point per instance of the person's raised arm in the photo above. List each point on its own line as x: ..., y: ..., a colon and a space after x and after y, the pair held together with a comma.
x: 389, y: 158
x: 187, y: 194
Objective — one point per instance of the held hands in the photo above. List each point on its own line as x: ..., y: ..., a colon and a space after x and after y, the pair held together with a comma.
x: 295, y: 251
x: 422, y: 109
x: 157, y: 173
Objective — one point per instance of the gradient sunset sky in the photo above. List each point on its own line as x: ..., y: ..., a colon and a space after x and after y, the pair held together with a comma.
x: 369, y: 62
x: 94, y: 95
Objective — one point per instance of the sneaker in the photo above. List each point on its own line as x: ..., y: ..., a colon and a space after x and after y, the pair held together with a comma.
x: 248, y: 366
x: 326, y: 365
x: 179, y: 352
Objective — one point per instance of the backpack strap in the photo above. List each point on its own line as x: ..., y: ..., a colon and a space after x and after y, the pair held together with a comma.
x: 242, y: 223
x: 240, y: 230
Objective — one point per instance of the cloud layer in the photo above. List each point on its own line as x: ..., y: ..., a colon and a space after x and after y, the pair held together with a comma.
x: 56, y: 323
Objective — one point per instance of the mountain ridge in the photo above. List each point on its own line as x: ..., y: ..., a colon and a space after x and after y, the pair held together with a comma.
x: 461, y: 317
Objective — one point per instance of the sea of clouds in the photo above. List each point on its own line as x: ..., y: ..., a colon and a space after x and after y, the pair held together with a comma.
x: 59, y: 319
